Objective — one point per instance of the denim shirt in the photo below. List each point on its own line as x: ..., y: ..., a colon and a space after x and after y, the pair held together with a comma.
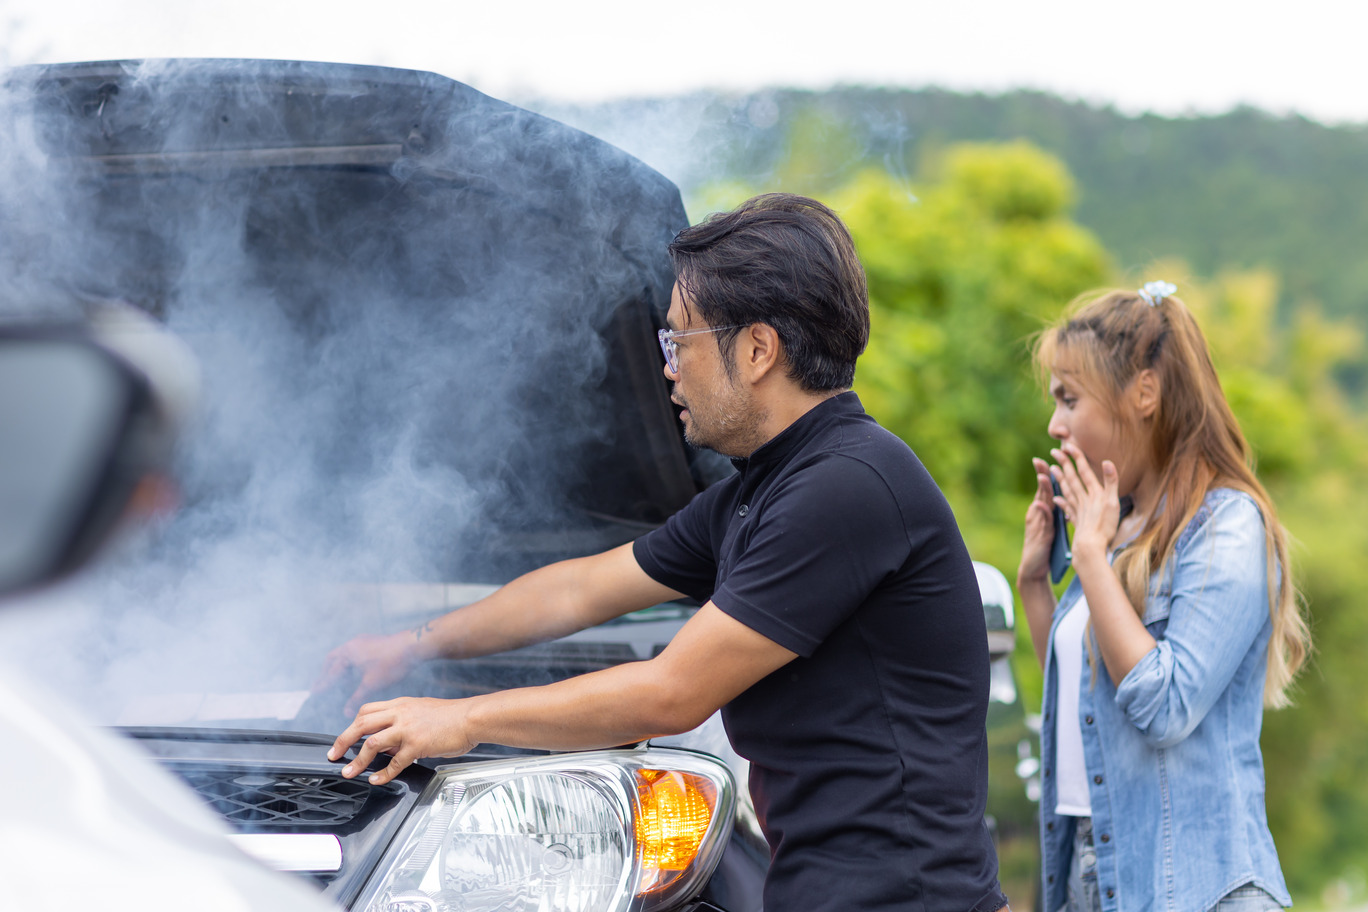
x: 1174, y: 770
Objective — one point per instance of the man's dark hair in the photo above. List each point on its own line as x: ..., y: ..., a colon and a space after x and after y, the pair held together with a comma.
x: 786, y: 261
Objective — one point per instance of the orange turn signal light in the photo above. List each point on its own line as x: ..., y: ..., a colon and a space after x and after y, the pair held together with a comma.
x: 674, y: 811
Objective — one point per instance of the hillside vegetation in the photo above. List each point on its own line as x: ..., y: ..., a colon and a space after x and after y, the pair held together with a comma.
x: 1241, y: 191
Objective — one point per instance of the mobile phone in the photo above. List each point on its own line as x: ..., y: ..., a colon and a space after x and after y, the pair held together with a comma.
x: 1060, y: 555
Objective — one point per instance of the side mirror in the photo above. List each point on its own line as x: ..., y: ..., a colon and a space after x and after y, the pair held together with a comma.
x: 79, y: 430
x: 998, y: 614
x: 1000, y: 619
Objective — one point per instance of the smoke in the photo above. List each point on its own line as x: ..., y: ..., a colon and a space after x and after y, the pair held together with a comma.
x: 691, y: 139
x: 423, y: 322
x: 752, y: 139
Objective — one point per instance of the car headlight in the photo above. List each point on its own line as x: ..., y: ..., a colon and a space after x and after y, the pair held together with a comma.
x: 601, y: 831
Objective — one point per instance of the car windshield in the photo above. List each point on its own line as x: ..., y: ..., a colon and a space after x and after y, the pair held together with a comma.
x: 425, y: 323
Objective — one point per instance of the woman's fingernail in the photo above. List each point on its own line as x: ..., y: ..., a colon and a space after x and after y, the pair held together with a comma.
x: 374, y: 779
x: 348, y: 770
x: 332, y: 754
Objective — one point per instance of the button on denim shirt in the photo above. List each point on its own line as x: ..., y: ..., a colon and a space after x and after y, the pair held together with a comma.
x: 1174, y: 769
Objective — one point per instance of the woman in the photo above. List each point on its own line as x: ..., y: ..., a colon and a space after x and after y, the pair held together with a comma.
x: 1180, y: 625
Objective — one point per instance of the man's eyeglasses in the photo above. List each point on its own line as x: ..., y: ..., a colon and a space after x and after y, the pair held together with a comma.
x: 671, y: 348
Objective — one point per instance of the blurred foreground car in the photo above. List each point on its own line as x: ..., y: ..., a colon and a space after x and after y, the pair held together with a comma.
x: 87, y: 415
x: 427, y: 322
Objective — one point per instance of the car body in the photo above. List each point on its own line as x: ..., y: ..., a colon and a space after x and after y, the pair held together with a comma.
x: 426, y: 321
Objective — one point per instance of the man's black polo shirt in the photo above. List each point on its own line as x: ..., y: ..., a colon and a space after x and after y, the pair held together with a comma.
x: 868, y: 752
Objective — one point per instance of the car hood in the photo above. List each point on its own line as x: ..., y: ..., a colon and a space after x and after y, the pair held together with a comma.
x: 383, y: 271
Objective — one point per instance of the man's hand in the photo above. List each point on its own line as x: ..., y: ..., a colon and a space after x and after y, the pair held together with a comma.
x: 381, y: 661
x: 711, y: 659
x: 407, y: 728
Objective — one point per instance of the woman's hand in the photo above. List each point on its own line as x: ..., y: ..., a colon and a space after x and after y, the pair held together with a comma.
x: 1092, y: 504
x: 407, y: 729
x: 1033, y: 574
x: 1035, y: 548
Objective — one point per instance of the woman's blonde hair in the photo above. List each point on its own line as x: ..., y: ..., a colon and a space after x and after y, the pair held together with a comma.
x: 1103, y: 343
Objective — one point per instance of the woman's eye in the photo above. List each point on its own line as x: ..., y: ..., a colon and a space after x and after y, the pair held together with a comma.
x: 1069, y: 403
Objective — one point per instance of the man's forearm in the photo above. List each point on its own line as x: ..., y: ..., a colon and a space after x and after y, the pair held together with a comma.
x: 607, y: 708
x: 547, y: 603
x: 530, y: 609
x: 710, y: 660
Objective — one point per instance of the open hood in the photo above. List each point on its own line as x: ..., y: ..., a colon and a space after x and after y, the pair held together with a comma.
x: 425, y: 317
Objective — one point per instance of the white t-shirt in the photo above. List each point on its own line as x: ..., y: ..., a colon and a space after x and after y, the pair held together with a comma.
x: 1070, y: 657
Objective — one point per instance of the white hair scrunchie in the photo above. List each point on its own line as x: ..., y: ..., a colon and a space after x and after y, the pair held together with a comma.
x: 1155, y: 292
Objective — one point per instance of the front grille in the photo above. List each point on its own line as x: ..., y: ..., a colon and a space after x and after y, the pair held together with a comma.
x: 263, y: 799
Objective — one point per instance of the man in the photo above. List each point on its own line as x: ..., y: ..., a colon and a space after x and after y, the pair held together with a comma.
x: 841, y: 633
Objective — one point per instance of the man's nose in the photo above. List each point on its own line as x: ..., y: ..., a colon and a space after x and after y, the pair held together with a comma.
x: 671, y: 375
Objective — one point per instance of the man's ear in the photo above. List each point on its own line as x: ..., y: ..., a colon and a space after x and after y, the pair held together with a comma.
x: 1145, y: 390
x: 758, y: 350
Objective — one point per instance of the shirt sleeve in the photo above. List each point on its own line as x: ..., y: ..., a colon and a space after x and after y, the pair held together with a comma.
x: 827, y: 538
x: 1219, y: 611
x: 681, y: 554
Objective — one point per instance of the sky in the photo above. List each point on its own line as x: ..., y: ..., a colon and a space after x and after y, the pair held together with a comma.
x: 1170, y: 57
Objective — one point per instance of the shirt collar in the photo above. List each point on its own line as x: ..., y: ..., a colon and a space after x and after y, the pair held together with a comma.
x: 808, y: 425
